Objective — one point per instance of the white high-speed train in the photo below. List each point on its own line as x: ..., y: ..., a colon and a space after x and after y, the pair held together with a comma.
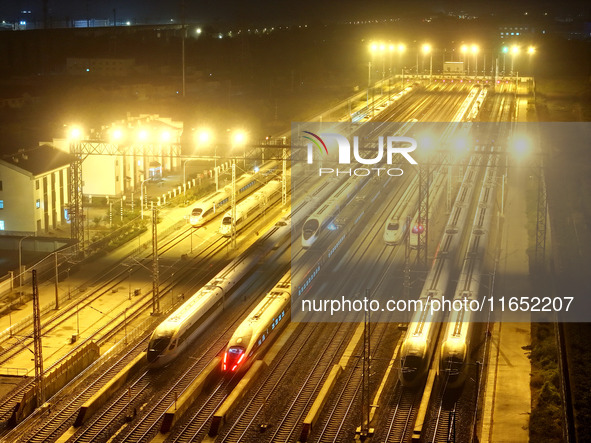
x: 260, y: 328
x: 417, y: 349
x: 177, y: 331
x: 322, y: 217
x: 454, y: 355
x: 397, y: 223
x: 212, y: 205
x: 248, y: 209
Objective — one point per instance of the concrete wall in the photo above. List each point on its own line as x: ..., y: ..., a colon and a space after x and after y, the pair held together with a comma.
x: 17, y: 192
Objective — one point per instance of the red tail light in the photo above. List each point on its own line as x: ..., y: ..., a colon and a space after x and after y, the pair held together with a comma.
x: 233, y: 357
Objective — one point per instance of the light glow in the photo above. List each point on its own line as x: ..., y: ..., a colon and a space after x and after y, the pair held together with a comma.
x: 75, y: 133
x: 203, y: 136
x: 239, y: 138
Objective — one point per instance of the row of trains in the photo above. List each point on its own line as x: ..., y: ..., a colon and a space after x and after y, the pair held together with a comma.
x: 418, y: 347
x: 324, y: 202
x: 171, y: 338
x: 219, y: 202
x: 455, y: 345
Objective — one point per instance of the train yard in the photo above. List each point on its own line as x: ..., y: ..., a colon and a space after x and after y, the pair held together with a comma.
x: 229, y: 360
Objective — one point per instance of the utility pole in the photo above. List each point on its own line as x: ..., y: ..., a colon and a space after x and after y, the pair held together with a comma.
x: 57, y: 299
x: 155, y: 275
x: 39, y: 389
x: 422, y: 228
x: 184, y: 31
x: 365, y: 430
x: 233, y: 235
x: 76, y: 208
x: 541, y: 219
x: 284, y: 178
x: 406, y: 284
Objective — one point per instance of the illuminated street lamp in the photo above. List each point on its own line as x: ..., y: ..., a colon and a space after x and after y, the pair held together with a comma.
x: 75, y: 133
x: 142, y: 135
x: 239, y: 139
x: 504, y: 50
x: 116, y: 135
x: 165, y: 136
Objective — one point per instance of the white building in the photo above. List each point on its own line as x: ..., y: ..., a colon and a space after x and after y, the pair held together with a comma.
x: 453, y: 67
x: 125, y: 154
x: 33, y: 190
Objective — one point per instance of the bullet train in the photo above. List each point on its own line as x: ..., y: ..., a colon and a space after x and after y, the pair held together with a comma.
x: 259, y: 329
x: 248, y: 209
x: 326, y: 213
x: 397, y: 222
x: 215, y: 204
x: 454, y: 354
x: 176, y: 332
x: 417, y: 349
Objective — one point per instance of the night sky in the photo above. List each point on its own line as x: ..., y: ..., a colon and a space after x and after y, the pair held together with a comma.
x: 281, y: 11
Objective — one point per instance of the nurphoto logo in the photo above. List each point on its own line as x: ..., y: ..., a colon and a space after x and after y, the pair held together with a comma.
x: 395, y: 145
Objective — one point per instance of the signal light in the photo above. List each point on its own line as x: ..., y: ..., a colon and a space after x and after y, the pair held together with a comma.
x: 418, y: 229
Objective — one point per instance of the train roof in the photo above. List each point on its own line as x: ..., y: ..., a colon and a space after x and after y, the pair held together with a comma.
x: 189, y: 307
x: 270, y: 188
x: 270, y: 305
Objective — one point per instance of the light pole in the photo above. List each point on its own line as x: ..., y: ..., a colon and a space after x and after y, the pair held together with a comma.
x: 382, y: 51
x: 504, y: 50
x: 203, y: 138
x: 463, y: 50
x: 475, y: 50
x: 20, y: 259
x: 514, y: 52
x: 239, y: 139
x: 373, y: 49
x: 401, y: 50
x: 142, y: 196
x: 428, y: 50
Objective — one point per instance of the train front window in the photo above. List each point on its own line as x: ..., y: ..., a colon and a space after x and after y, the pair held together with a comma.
x: 411, y: 366
x: 157, y: 345
x: 196, y: 212
x: 393, y: 226
x: 310, y: 228
x: 227, y: 221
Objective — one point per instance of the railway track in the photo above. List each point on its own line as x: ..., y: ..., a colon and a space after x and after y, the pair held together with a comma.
x: 347, y: 396
x: 277, y: 373
x: 403, y: 414
x: 148, y: 422
x: 52, y: 425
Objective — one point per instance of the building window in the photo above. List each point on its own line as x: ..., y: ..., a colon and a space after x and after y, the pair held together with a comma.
x: 0, y: 185
x: 1, y: 204
x: 1, y: 225
x: 38, y: 204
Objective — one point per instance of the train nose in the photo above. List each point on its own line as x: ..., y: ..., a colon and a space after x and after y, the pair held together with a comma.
x: 232, y: 358
x: 153, y: 355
